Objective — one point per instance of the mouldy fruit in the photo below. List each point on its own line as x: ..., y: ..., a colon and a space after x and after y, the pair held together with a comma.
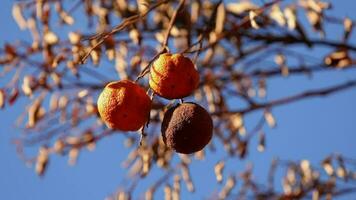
x: 124, y: 105
x: 187, y: 128
x: 173, y: 76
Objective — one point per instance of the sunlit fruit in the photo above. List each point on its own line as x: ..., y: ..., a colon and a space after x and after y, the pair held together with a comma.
x: 187, y: 128
x: 124, y: 105
x: 173, y: 76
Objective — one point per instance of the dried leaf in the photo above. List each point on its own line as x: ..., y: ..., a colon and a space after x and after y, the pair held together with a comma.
x: 63, y: 102
x: 195, y: 7
x: 59, y: 146
x: 242, y: 149
x: 208, y: 90
x: 33, y: 112
x: 42, y: 161
x: 315, y: 195
x: 73, y: 156
x: 75, y: 113
x: 277, y: 15
x: 53, y: 102
x: 348, y: 26
x: 220, y: 18
x: 159, y: 37
x: 253, y: 16
x: 328, y: 166
x: 187, y: 178
x: 261, y: 142
x: 338, y: 59
x: 240, y: 7
x: 218, y: 169
x: 50, y: 38
x: 316, y: 20
x: 2, y: 98
x: 149, y: 194
x: 269, y: 119
x: 19, y: 18
x: 341, y: 170
x: 135, y: 36
x: 167, y: 192
x: 280, y: 59
x: 121, y: 195
x: 236, y: 121
x: 262, y: 91
x: 225, y: 192
x: 13, y: 96
x: 200, y: 155
x: 146, y: 159
x: 291, y: 16
x: 66, y: 18
x: 176, y: 188
x: 83, y: 93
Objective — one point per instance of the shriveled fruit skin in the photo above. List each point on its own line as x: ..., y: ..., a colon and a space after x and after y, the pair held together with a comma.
x: 124, y: 105
x: 173, y: 76
x: 187, y: 128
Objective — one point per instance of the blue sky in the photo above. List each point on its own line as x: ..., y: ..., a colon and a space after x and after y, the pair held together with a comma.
x: 309, y: 129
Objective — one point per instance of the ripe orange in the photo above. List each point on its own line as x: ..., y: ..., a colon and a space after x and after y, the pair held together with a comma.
x: 173, y: 76
x: 124, y: 105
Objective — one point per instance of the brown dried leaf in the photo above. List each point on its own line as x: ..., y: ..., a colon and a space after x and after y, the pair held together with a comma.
x: 50, y: 38
x: 121, y: 195
x: 195, y: 8
x: 236, y: 121
x: 2, y: 98
x: 187, y: 178
x: 328, y: 166
x: 218, y: 169
x: 75, y: 113
x: 135, y: 36
x: 19, y: 18
x: 146, y: 159
x: 73, y: 156
x: 253, y: 16
x: 230, y: 184
x: 270, y: 119
x: 53, y: 102
x: 42, y: 160
x: 261, y: 142
x: 240, y: 7
x: 74, y: 37
x: 242, y: 149
x: 338, y: 59
x: 167, y: 192
x: 58, y: 146
x: 262, y: 91
x: 280, y: 59
x: 277, y: 15
x: 348, y: 26
x: 33, y: 112
x: 66, y: 18
x: 291, y: 16
x: 220, y: 18
x: 149, y: 194
x: 13, y: 96
x: 176, y: 188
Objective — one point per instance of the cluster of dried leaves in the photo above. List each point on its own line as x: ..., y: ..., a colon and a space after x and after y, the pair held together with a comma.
x: 61, y: 72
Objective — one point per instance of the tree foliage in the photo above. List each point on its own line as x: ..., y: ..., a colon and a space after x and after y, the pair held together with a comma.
x: 237, y: 48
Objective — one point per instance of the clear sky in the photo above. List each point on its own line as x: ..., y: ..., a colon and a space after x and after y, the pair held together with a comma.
x: 309, y: 129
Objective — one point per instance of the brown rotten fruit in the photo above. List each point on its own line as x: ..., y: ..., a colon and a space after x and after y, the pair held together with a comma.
x: 187, y: 128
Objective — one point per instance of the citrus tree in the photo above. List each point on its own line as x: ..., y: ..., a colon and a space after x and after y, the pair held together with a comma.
x: 176, y: 79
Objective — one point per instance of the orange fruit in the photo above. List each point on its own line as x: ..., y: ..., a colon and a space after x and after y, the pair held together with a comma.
x: 173, y: 76
x: 124, y: 105
x: 187, y: 128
